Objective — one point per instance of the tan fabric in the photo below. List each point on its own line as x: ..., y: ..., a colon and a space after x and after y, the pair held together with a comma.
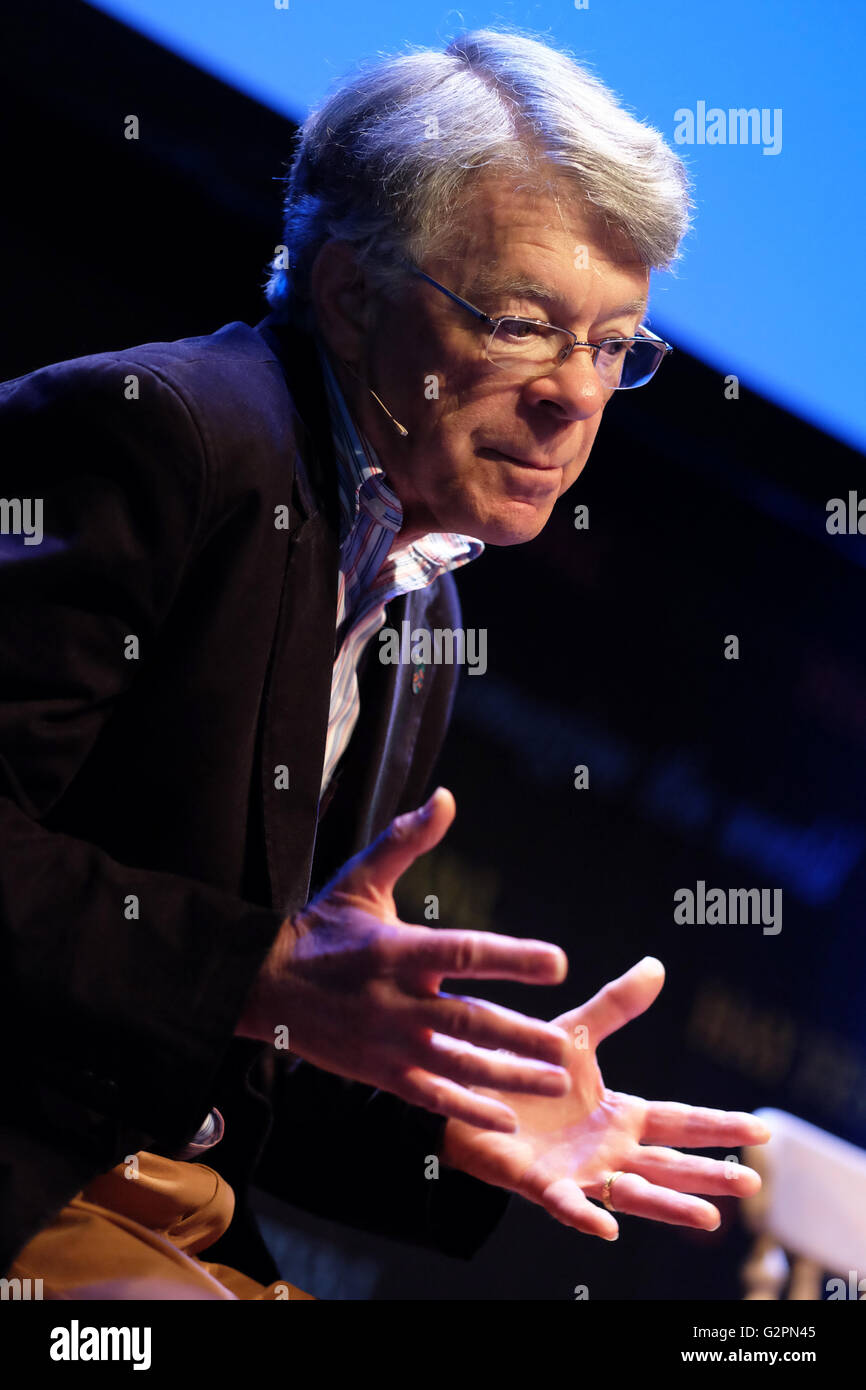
x: 126, y: 1236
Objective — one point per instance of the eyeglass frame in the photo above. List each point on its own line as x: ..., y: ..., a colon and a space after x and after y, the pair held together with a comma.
x: 595, y: 348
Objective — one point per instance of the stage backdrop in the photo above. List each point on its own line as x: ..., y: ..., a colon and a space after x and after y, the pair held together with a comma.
x: 608, y: 647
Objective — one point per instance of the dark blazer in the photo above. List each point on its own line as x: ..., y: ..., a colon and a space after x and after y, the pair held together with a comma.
x: 147, y: 854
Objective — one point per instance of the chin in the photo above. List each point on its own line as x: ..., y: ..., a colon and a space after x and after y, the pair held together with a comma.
x: 513, y: 530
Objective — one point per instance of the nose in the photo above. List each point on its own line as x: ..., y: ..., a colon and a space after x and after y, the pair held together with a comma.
x: 575, y: 389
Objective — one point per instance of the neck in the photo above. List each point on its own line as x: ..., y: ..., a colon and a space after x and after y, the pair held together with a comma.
x: 372, y: 420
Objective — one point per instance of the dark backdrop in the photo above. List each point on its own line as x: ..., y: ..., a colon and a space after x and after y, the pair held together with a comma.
x: 605, y: 648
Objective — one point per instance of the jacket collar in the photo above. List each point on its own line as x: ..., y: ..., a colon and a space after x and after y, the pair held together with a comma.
x: 316, y: 465
x: 381, y: 753
x: 296, y: 699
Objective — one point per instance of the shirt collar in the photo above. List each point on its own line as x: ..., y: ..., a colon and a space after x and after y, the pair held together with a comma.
x: 363, y: 482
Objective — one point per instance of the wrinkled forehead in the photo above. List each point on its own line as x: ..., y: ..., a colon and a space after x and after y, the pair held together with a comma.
x: 507, y: 225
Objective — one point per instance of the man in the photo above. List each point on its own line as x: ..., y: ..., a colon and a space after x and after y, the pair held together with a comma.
x: 210, y: 786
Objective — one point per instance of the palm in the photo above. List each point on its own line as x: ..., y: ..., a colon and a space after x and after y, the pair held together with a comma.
x: 567, y: 1146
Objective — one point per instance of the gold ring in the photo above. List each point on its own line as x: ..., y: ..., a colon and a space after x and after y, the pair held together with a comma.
x: 605, y: 1193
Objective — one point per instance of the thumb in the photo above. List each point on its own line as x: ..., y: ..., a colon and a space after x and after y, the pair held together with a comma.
x: 621, y: 1000
x: 388, y: 857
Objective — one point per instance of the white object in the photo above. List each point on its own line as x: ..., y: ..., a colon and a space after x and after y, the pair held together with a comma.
x: 813, y: 1199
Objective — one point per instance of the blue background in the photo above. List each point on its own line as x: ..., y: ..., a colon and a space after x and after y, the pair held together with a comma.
x: 771, y: 285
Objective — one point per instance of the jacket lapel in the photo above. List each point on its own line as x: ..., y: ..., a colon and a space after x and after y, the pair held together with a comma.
x: 298, y: 685
x: 368, y: 784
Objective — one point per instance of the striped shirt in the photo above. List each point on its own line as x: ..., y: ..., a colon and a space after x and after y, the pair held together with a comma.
x: 373, y: 570
x: 374, y: 566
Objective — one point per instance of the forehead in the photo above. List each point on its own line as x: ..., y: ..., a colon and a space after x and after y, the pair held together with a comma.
x: 508, y: 229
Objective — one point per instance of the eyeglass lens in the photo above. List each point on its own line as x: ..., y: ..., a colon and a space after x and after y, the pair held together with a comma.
x: 523, y: 347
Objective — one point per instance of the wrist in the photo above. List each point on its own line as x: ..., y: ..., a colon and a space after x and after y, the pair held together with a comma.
x: 260, y: 1005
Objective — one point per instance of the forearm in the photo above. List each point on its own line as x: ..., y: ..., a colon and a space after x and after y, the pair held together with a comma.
x: 99, y: 1009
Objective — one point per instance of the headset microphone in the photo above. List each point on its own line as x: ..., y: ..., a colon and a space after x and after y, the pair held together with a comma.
x: 401, y: 429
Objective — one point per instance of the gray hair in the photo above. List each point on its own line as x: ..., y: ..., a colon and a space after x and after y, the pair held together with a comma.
x: 389, y: 158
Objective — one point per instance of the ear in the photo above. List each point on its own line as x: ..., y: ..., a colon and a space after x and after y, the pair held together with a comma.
x: 341, y: 300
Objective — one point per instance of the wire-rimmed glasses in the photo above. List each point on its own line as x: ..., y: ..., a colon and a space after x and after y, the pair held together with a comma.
x: 529, y: 348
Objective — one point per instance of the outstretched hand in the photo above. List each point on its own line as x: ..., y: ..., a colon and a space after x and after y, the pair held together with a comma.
x: 567, y: 1146
x: 359, y: 991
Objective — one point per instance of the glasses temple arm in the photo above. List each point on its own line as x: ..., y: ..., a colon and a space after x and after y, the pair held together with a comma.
x: 479, y: 313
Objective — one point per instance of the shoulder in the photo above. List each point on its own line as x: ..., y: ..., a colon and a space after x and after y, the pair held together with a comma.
x: 212, y: 373
x: 215, y: 409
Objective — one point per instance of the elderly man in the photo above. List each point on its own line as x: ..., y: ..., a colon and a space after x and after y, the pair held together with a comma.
x: 210, y: 787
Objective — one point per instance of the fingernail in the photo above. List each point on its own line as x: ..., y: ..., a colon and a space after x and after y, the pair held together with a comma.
x: 427, y: 808
x: 557, y: 957
x: 555, y: 1083
x: 615, y: 1236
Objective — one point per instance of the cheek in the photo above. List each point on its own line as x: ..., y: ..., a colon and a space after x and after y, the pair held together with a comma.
x: 457, y: 422
x: 590, y: 432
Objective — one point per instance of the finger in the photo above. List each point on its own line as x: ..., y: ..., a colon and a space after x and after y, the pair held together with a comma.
x: 691, y: 1173
x: 380, y: 865
x: 565, y: 1201
x: 696, y: 1127
x: 491, y: 1025
x: 443, y: 1097
x: 635, y: 1196
x: 478, y: 955
x: 619, y: 1001
x: 476, y: 1066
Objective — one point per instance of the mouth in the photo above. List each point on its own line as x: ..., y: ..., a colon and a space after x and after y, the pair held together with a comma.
x: 534, y: 465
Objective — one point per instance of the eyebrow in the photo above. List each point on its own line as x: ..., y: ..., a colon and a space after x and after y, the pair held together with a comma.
x: 522, y: 287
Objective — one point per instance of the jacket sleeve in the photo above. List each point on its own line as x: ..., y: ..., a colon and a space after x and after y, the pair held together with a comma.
x: 116, y: 1024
